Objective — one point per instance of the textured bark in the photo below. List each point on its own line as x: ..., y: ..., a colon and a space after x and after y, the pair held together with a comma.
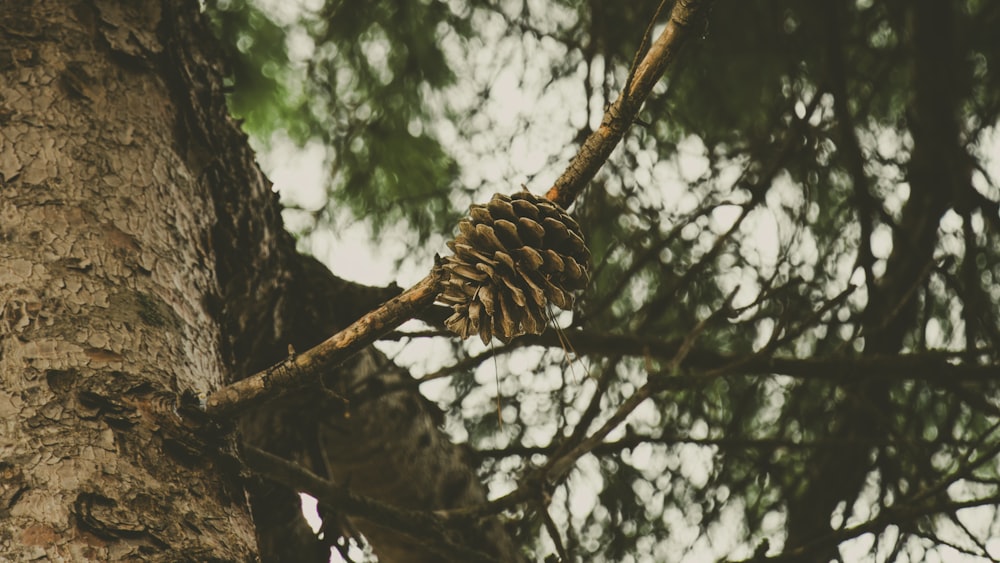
x: 107, y: 271
x: 143, y: 258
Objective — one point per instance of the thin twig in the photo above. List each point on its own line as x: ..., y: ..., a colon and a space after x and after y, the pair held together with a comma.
x: 553, y: 530
x: 932, y: 366
x: 556, y: 467
x: 470, y: 362
x: 889, y: 516
x: 632, y: 440
x: 621, y: 114
x: 299, y: 369
x: 642, y: 46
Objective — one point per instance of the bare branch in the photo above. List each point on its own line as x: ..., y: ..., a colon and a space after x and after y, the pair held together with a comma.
x: 684, y: 19
x: 890, y: 516
x: 299, y: 369
x: 931, y: 366
x: 632, y: 440
x: 556, y: 467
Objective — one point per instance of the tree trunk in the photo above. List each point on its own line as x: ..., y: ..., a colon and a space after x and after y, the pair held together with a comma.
x: 143, y: 258
x: 106, y: 293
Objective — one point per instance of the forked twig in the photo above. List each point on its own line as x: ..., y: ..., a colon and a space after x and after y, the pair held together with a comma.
x: 684, y: 17
x: 298, y: 369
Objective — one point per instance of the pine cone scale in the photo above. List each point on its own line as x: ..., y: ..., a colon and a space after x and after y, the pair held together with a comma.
x: 512, y: 257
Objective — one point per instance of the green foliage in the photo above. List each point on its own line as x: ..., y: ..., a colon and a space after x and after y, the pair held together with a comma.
x: 375, y: 68
x: 757, y: 211
x: 266, y: 93
x: 366, y: 88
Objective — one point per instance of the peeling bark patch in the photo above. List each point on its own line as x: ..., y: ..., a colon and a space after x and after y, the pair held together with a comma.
x: 95, y: 405
x: 151, y: 310
x: 60, y: 381
x: 102, y: 355
x: 119, y: 240
x: 39, y: 534
x: 13, y: 58
x: 20, y: 25
x: 12, y: 486
x: 79, y: 83
x: 101, y: 516
x: 52, y: 410
x: 19, y: 312
x: 16, y: 271
x: 187, y: 453
x: 119, y: 29
x: 78, y: 264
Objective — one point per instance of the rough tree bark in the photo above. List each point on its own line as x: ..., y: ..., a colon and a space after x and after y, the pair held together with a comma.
x: 143, y: 258
x: 105, y: 285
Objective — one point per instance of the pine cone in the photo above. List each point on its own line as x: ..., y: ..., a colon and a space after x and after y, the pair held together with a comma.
x: 511, y: 258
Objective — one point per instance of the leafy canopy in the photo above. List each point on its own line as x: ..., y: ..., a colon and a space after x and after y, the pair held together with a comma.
x: 810, y: 200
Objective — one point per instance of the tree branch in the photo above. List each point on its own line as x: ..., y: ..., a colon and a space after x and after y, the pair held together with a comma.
x: 932, y: 366
x: 299, y: 369
x: 683, y: 23
x: 889, y: 516
x: 556, y: 467
x: 630, y: 441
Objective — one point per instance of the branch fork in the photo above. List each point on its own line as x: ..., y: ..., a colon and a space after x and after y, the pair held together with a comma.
x: 298, y: 369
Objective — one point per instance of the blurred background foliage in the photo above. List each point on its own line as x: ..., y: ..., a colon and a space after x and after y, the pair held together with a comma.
x: 814, y: 186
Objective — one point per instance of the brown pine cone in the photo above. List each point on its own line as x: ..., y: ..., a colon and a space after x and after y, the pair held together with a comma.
x: 511, y: 258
